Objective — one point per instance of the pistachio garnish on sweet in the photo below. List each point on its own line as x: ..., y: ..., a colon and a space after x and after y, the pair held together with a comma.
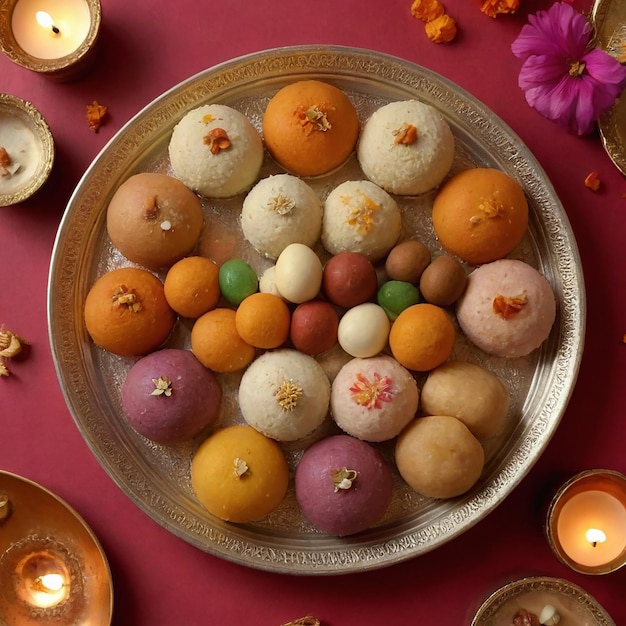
x: 316, y: 118
x: 162, y: 386
x: 343, y: 478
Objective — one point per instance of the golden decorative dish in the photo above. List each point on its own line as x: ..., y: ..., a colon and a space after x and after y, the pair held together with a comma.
x: 609, y: 21
x: 573, y: 604
x: 26, y: 137
x: 62, y: 69
x: 157, y: 477
x: 52, y: 567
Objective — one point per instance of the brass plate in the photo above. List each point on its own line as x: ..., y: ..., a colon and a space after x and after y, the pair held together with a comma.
x: 157, y: 477
x: 40, y: 526
x: 573, y: 604
x: 609, y: 20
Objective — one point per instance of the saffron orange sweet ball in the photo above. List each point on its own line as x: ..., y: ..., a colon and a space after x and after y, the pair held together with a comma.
x: 310, y: 127
x: 480, y: 215
x: 126, y: 312
x: 263, y: 320
x: 217, y: 344
x: 192, y: 286
x: 422, y: 337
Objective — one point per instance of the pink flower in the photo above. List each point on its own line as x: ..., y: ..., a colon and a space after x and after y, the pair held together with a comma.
x: 563, y: 78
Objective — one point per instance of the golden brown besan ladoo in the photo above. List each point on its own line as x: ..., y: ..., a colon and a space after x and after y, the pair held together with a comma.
x: 310, y: 127
x: 154, y: 220
x: 480, y: 215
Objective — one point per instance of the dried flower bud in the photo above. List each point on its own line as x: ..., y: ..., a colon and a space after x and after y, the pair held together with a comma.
x: 441, y: 29
x: 427, y: 10
x: 493, y: 8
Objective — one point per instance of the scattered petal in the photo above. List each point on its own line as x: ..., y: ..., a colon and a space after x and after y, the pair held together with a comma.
x: 593, y: 181
x: 427, y: 10
x: 96, y: 115
x: 441, y: 30
x: 493, y: 8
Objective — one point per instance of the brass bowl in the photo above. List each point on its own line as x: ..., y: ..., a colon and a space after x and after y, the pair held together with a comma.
x: 52, y: 567
x: 573, y: 604
x: 25, y: 134
x: 65, y: 68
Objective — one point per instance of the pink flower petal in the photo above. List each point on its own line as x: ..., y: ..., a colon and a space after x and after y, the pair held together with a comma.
x: 552, y: 45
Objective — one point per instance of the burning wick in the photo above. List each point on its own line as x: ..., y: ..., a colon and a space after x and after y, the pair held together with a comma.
x: 595, y: 536
x: 45, y: 20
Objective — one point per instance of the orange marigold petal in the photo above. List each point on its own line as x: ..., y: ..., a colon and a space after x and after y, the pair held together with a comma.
x: 96, y: 113
x: 592, y: 180
x: 493, y: 8
x: 441, y: 30
x: 427, y: 10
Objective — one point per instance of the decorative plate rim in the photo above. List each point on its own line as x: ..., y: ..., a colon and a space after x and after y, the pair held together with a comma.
x: 73, y: 360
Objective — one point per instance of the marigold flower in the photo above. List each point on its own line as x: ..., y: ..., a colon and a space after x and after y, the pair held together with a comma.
x: 563, y: 78
x: 441, y: 29
x: 427, y: 10
x: 493, y: 8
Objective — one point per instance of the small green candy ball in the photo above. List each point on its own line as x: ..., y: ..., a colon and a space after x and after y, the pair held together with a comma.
x: 396, y: 295
x: 237, y: 281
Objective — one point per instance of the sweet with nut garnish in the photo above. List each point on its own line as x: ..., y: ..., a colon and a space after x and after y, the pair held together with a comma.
x: 310, y: 127
x: 406, y: 147
x: 480, y: 215
x: 343, y: 485
x: 216, y: 151
x: 170, y: 397
x: 154, y: 220
x: 508, y: 308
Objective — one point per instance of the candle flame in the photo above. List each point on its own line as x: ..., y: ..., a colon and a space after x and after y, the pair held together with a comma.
x: 45, y: 21
x: 595, y: 536
x: 51, y: 582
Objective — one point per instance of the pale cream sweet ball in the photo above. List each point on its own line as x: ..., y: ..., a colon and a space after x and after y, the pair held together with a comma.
x: 284, y: 394
x: 406, y: 147
x: 280, y: 210
x: 216, y: 151
x: 360, y: 216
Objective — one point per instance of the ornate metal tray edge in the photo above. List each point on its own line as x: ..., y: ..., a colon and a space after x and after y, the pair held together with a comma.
x: 71, y: 350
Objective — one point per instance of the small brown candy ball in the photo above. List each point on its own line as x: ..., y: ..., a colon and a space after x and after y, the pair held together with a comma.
x: 443, y: 281
x: 407, y: 261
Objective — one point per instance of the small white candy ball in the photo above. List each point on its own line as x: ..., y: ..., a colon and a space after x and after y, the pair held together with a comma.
x: 298, y: 274
x: 364, y: 330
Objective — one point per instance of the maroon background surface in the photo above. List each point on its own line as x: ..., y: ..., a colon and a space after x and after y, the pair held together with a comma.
x: 145, y: 49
